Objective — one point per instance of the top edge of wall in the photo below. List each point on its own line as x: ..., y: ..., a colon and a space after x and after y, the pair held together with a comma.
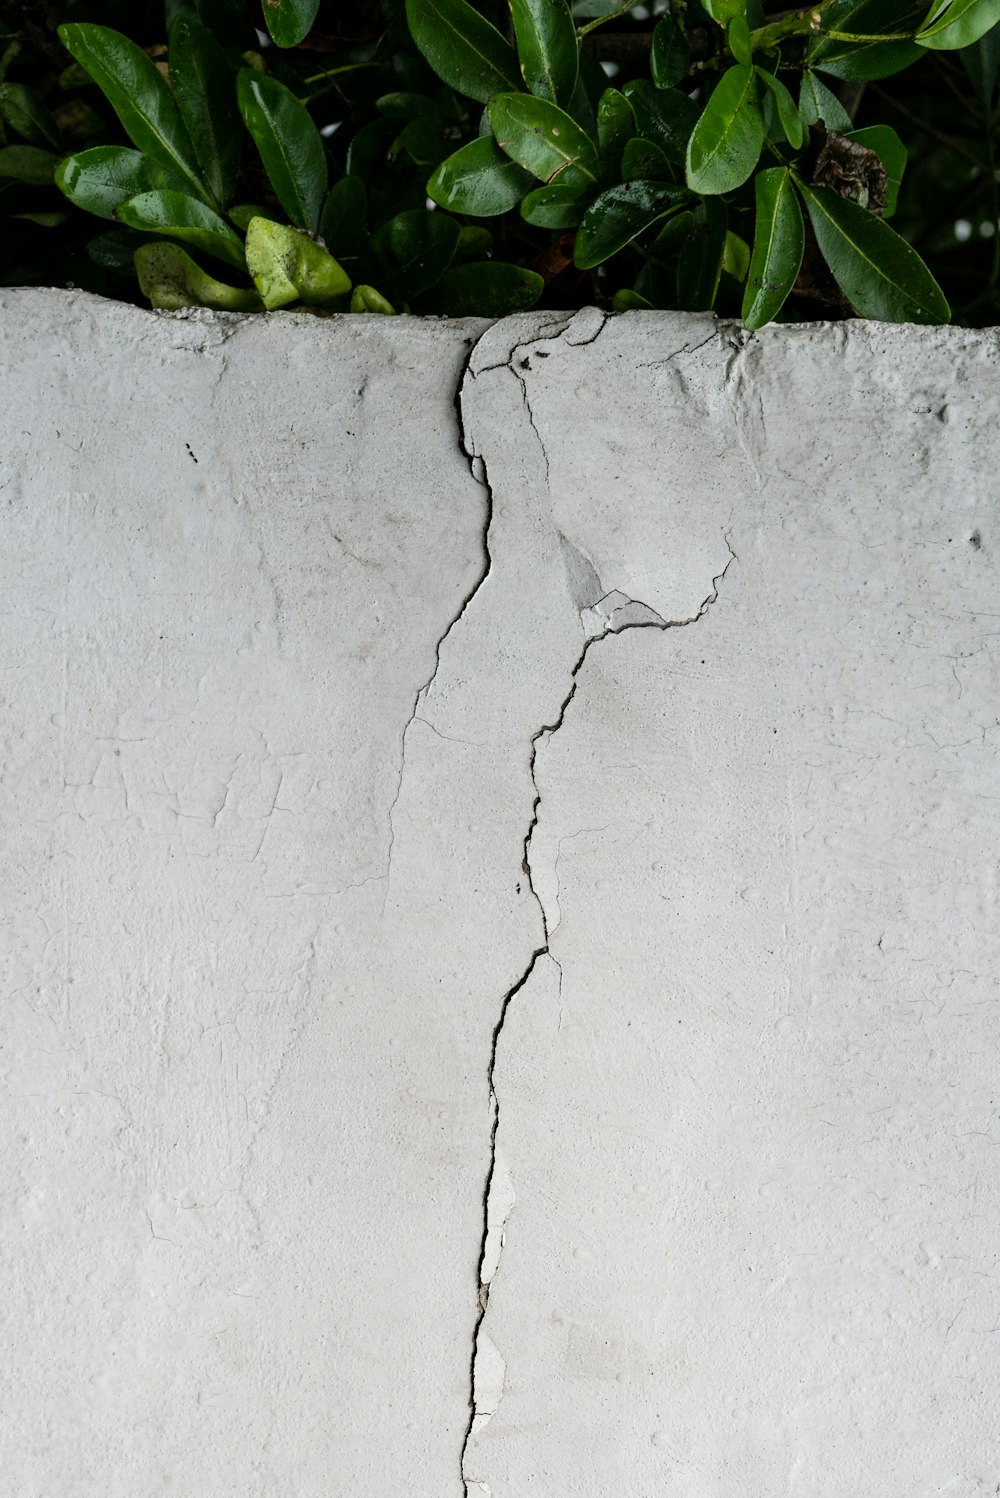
x: 57, y: 305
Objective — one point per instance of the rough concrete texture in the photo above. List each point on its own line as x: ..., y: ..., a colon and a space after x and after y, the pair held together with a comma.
x: 500, y: 935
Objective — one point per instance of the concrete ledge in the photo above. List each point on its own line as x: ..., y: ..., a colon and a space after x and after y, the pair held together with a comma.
x: 500, y: 934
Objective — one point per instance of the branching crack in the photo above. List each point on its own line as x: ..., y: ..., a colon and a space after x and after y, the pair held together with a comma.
x: 649, y: 620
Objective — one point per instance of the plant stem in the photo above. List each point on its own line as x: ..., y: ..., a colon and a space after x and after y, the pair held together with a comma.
x: 612, y: 15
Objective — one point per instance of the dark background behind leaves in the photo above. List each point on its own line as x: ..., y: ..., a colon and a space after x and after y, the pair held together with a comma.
x: 387, y: 117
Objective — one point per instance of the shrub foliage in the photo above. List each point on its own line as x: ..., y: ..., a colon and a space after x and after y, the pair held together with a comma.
x: 484, y: 156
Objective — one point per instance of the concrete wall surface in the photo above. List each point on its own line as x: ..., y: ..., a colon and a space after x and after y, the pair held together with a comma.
x: 499, y: 946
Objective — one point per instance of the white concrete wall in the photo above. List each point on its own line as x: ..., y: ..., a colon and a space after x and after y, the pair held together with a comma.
x: 542, y: 778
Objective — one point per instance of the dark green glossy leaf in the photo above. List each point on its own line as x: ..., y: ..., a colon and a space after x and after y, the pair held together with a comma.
x: 817, y: 103
x: 24, y: 112
x: 726, y: 143
x: 547, y: 48
x: 475, y: 242
x: 102, y: 179
x: 736, y: 257
x: 368, y: 153
x: 725, y: 11
x: 463, y: 48
x: 644, y: 161
x: 288, y: 266
x: 205, y: 90
x: 171, y: 280
x: 115, y: 249
x: 289, y: 21
x: 664, y: 116
x: 344, y: 223
x: 891, y: 152
x: 289, y: 143
x: 958, y: 24
x: 28, y: 164
x: 615, y: 218
x: 779, y: 240
x: 406, y: 106
x: 488, y: 288
x: 423, y: 141
x: 671, y: 236
x: 579, y: 107
x: 670, y: 56
x: 739, y: 41
x: 367, y: 299
x: 412, y: 252
x: 866, y: 60
x: 139, y: 95
x: 615, y: 127
x: 242, y: 213
x: 183, y: 217
x: 880, y: 274
x: 788, y: 115
x: 982, y: 63
x: 479, y: 180
x: 700, y: 263
x: 556, y: 207
x: 630, y: 301
x: 543, y: 139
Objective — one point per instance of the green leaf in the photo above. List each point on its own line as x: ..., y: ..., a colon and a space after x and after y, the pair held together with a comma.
x: 289, y: 21
x: 102, y: 179
x: 644, y: 161
x: 25, y: 113
x: 880, y: 274
x: 958, y: 25
x: 547, y: 49
x: 670, y: 57
x: 725, y: 11
x: 479, y: 180
x: 817, y: 103
x: 475, y: 242
x: 866, y: 60
x: 736, y: 257
x: 463, y: 48
x: 205, y: 90
x: 406, y: 106
x: 700, y: 264
x: 289, y: 143
x: 344, y: 223
x: 664, y: 116
x: 726, y: 143
x: 615, y: 218
x: 615, y: 127
x: 367, y: 299
x: 778, y: 243
x: 487, y: 288
x: 982, y: 63
x: 413, y: 251
x: 788, y: 115
x: 543, y: 139
x: 739, y: 40
x: 674, y: 231
x: 422, y: 140
x: 28, y: 164
x: 183, y: 217
x: 139, y: 95
x: 555, y: 207
x: 630, y: 301
x: 171, y: 280
x: 241, y: 214
x: 288, y: 266
x: 888, y: 147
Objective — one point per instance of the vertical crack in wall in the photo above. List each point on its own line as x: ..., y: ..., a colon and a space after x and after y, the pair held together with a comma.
x: 491, y: 1242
